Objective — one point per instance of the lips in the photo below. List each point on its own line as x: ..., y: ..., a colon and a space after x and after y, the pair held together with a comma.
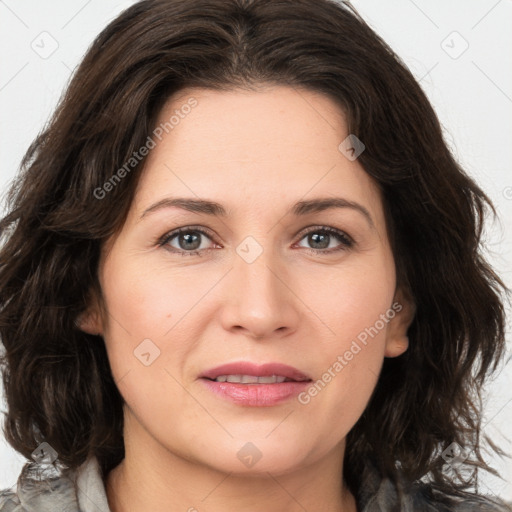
x: 240, y: 371
x: 251, y: 385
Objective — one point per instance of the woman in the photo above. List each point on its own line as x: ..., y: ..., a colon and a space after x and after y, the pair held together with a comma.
x: 241, y: 270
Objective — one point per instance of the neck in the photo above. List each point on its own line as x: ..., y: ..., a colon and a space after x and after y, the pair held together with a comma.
x: 151, y: 477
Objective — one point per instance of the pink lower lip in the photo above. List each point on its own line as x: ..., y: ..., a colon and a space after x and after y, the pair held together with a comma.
x: 256, y: 395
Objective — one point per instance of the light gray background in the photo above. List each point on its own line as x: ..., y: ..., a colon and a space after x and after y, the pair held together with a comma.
x: 470, y: 88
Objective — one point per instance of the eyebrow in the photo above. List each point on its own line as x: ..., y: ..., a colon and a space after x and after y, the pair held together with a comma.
x: 300, y: 208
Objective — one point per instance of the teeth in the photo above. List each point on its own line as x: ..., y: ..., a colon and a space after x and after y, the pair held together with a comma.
x: 251, y: 379
x: 271, y: 379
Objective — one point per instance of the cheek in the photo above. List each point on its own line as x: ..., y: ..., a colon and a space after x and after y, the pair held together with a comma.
x: 154, y: 315
x: 350, y: 298
x: 347, y: 374
x: 356, y: 306
x: 147, y: 341
x: 151, y: 300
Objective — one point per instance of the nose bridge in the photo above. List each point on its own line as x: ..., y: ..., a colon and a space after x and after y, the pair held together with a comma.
x: 256, y: 268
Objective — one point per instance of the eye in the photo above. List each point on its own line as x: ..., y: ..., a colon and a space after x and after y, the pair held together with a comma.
x: 188, y: 241
x: 320, y: 237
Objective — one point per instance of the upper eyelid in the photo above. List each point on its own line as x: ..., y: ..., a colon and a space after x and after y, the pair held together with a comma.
x: 173, y: 232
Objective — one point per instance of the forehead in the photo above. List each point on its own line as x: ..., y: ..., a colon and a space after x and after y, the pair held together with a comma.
x: 252, y: 149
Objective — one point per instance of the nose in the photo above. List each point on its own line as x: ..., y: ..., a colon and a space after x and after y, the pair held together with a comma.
x: 259, y: 299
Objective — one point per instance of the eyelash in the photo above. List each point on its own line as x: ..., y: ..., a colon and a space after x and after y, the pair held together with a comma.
x: 346, y: 241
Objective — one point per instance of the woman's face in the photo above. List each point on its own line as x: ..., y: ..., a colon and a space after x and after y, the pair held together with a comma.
x: 255, y: 280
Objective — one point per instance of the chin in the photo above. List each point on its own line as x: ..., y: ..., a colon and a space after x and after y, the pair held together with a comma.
x: 256, y: 457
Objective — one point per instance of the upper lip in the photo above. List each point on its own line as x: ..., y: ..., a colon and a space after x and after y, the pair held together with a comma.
x: 248, y: 368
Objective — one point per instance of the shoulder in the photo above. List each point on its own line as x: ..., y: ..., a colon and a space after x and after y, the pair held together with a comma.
x: 377, y: 494
x: 424, y: 498
x: 51, y: 487
x: 9, y: 501
x: 41, y: 487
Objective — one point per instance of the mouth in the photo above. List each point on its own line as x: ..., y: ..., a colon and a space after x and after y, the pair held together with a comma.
x: 245, y: 372
x: 252, y: 379
x: 248, y: 384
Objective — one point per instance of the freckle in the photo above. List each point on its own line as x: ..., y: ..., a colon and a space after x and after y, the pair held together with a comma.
x: 169, y: 315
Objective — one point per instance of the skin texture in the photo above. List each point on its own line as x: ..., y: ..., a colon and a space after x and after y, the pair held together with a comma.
x: 256, y: 153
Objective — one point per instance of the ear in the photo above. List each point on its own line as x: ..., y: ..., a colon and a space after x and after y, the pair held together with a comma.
x: 397, y: 341
x: 90, y: 321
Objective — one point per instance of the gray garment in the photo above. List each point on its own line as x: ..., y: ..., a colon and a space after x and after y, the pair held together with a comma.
x: 47, y: 488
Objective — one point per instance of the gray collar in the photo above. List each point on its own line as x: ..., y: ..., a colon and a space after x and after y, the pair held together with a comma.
x: 48, y: 487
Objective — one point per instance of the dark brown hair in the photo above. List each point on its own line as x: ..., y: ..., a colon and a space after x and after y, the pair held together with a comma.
x: 57, y: 379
